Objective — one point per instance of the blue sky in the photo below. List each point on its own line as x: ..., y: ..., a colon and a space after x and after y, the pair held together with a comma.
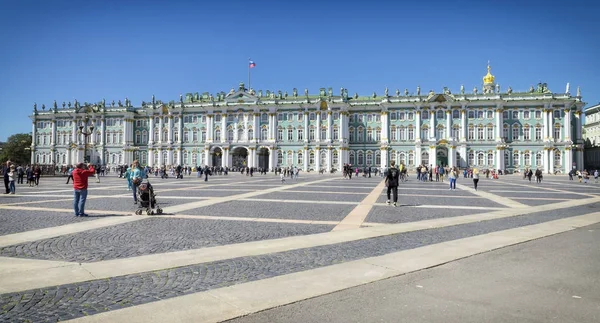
x: 90, y: 50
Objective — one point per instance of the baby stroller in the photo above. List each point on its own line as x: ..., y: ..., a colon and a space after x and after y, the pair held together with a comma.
x: 147, y: 199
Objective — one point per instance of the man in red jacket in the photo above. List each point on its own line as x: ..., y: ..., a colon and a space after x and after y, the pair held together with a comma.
x: 80, y: 185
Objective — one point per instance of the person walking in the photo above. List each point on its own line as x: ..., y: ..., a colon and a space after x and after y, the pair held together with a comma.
x: 538, y: 176
x: 596, y: 176
x: 5, y: 170
x: 12, y: 175
x: 475, y: 178
x: 128, y: 177
x: 452, y: 174
x: 80, y: 185
x: 391, y: 181
x: 70, y: 173
x: 136, y: 175
x: 20, y: 174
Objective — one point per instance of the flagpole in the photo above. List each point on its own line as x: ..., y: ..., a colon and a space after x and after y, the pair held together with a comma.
x: 248, y: 73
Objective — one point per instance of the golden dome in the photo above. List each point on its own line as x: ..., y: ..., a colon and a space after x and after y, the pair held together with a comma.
x: 489, y: 78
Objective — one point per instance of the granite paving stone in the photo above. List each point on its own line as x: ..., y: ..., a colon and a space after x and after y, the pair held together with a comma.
x: 429, y: 200
x: 274, y: 210
x: 317, y: 196
x: 404, y: 213
x: 14, y: 221
x: 154, y: 235
x: 97, y: 296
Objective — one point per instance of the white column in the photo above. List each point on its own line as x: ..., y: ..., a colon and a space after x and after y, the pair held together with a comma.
x: 150, y: 157
x: 568, y: 159
x: 207, y: 159
x: 432, y: 155
x: 223, y: 127
x: 53, y: 135
x: 545, y: 129
x: 449, y: 123
x: 499, y: 124
x: 384, y: 158
x: 384, y: 128
x: 225, y: 157
x: 578, y: 129
x: 74, y: 137
x: 180, y: 130
x: 567, y: 126
x: 463, y: 155
x: 210, y: 128
x: 272, y: 128
x: 329, y: 160
x: 235, y: 130
x: 463, y: 124
x: 418, y: 128
x: 417, y: 155
x: 318, y: 127
x: 551, y: 164
x: 500, y: 159
x: 318, y: 159
x: 344, y: 128
x: 160, y: 134
x: 33, y: 143
x: 256, y: 128
x: 551, y: 127
x: 545, y: 157
x: 170, y: 130
x: 329, y: 128
x: 150, y: 134
x: 306, y: 133
x: 274, y: 153
x: 432, y: 116
x: 305, y: 153
x: 451, y: 156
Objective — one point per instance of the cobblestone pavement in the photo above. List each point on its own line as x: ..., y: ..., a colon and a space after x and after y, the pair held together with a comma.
x: 302, y: 201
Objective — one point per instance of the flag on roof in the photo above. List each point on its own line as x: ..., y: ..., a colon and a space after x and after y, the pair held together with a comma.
x: 252, y: 64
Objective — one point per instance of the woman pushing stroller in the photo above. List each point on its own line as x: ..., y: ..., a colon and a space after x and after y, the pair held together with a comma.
x: 136, y: 175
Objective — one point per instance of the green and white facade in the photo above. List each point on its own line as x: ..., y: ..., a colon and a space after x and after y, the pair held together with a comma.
x: 486, y: 129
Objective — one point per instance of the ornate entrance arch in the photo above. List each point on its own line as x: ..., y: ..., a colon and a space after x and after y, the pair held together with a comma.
x: 442, y: 156
x: 239, y: 157
x: 217, y: 156
x: 263, y: 157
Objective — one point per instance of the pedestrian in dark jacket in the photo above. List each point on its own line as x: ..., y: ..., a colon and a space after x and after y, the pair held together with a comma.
x: 391, y: 181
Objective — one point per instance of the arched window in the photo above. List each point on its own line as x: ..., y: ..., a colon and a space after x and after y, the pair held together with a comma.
x: 263, y: 134
x: 230, y: 134
x: 480, y: 159
x: 217, y: 135
x: 506, y: 158
x: 336, y: 133
x: 424, y: 158
x: 351, y: 158
x: 311, y: 157
x: 527, y: 158
x: 471, y: 159
x: 361, y: 158
x: 411, y: 159
x: 290, y: 158
x: 538, y: 159
x: 165, y: 158
x: 300, y: 158
x: 377, y: 159
x: 515, y: 158
x: 440, y: 114
x: 369, y: 158
x: 361, y: 135
x: 144, y: 137
x: 557, y: 158
x: 185, y: 158
x: 335, y: 157
x: 279, y: 157
x: 490, y: 159
x: 241, y: 136
x: 323, y: 159
x: 441, y: 132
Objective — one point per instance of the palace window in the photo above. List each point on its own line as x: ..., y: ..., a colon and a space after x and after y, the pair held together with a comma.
x: 505, y: 115
x: 361, y: 158
x: 300, y: 134
x: 311, y: 158
x: 440, y: 114
x: 264, y: 117
x: 480, y: 114
x: 490, y: 132
x: 279, y: 157
x: 361, y: 118
x: 505, y: 132
x: 138, y: 138
x: 456, y: 132
x: 323, y: 133
x: 424, y: 132
x: 377, y: 159
x: 393, y: 136
x: 425, y: 115
x: 351, y: 134
x: 336, y: 133
x: 480, y: 159
x: 402, y: 133
x: 279, y: 134
x: 370, y: 118
x: 250, y: 134
x: 290, y: 134
x: 471, y: 114
x: 526, y: 114
x: 490, y: 159
x: 165, y: 136
x: 538, y: 133
x: 480, y: 133
x: 230, y: 135
x: 557, y: 132
x: 402, y: 116
x: 411, y: 159
x: 455, y: 114
x: 538, y: 159
x: 176, y: 135
x: 392, y: 116
x: 195, y: 159
x: 515, y: 132
x: 290, y: 158
x: 515, y: 115
x: 557, y: 113
x: 441, y: 132
x: 411, y: 116
x: 203, y: 119
x: 300, y: 117
x: 144, y: 137
x: 311, y: 133
x: 323, y: 116
x: 369, y: 158
x: 241, y: 135
x: 527, y: 159
x: 300, y: 158
x: 557, y: 160
x: 264, y: 134
x: 217, y: 117
x: 424, y: 158
x: 217, y: 135
x: 411, y: 133
x: 490, y: 114
x: 515, y: 158
x: 155, y: 136
x: 360, y: 137
x: 538, y: 114
x: 401, y: 158
x: 369, y: 135
x: 526, y: 133
x: 393, y: 155
x: 312, y: 116
x: 471, y: 159
x: 377, y: 117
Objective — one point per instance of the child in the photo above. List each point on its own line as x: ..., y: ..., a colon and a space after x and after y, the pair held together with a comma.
x: 282, y: 177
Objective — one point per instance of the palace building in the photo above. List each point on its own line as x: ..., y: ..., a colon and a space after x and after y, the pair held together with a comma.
x: 486, y: 128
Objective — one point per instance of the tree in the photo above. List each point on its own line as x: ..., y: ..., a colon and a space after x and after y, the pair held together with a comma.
x: 17, y: 149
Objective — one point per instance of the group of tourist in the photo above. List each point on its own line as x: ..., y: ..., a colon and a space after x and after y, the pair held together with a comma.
x: 16, y: 174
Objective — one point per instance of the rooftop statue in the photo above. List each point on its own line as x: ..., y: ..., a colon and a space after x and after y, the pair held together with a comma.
x: 196, y: 97
x: 231, y: 91
x: 497, y: 88
x: 346, y: 93
x: 578, y: 91
x: 76, y: 104
x: 321, y: 92
x: 279, y: 94
x: 242, y: 87
x: 34, y: 106
x: 55, y: 105
x: 431, y: 92
x: 153, y: 99
x: 330, y: 91
x: 120, y: 103
x: 475, y: 90
x: 285, y: 95
x: 374, y: 94
x: 462, y: 89
x: 272, y: 95
x: 260, y: 93
x: 397, y: 92
x: 509, y: 91
x: 112, y: 104
x: 355, y: 95
x: 386, y: 93
x: 180, y: 98
x: 252, y: 91
x: 418, y: 90
x: 103, y: 103
x: 306, y: 92
x: 342, y: 92
x: 405, y: 92
x: 531, y: 89
x: 43, y: 107
x: 69, y: 104
x: 295, y: 92
x: 64, y: 104
x: 211, y: 97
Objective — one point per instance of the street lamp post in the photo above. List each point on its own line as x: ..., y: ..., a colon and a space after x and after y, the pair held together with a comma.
x: 86, y: 131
